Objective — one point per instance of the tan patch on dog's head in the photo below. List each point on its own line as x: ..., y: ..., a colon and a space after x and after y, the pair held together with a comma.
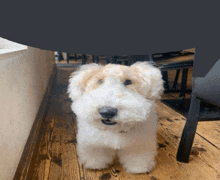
x: 141, y: 78
x: 119, y: 72
x: 88, y: 76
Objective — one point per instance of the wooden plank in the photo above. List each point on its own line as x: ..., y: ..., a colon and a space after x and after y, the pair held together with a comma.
x: 55, y: 165
x: 70, y: 167
x: 176, y: 59
x: 203, y: 162
x: 213, y: 132
x: 65, y: 162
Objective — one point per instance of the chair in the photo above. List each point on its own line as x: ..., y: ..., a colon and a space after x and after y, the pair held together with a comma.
x: 176, y: 61
x: 68, y: 57
x: 98, y: 58
x: 205, y: 89
x: 181, y: 62
x: 118, y: 60
x: 59, y: 56
x: 75, y: 57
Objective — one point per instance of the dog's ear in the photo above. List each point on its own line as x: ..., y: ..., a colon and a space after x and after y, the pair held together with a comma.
x: 79, y: 78
x: 152, y: 78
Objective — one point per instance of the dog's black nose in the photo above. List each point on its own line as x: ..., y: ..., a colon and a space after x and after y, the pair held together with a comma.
x: 107, y: 112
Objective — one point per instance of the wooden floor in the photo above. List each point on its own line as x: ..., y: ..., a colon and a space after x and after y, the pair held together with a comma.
x: 55, y: 157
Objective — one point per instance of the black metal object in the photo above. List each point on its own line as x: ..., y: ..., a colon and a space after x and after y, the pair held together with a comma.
x: 111, y: 59
x: 60, y: 56
x: 75, y: 57
x: 176, y: 66
x: 127, y: 59
x: 208, y: 112
x: 163, y: 56
x: 163, y: 65
x: 93, y: 58
x: 205, y: 89
x: 97, y: 59
x: 120, y: 59
x: 189, y: 131
x: 166, y: 80
x: 176, y: 79
x: 183, y: 83
x: 67, y: 58
x: 84, y: 58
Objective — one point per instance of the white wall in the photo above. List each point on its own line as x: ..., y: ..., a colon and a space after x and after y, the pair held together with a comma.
x: 9, y: 46
x: 24, y: 75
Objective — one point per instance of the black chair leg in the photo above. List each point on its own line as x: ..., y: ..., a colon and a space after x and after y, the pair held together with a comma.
x: 166, y: 81
x: 60, y: 56
x: 189, y: 131
x: 83, y: 58
x: 176, y: 79
x: 75, y: 57
x: 183, y: 83
x: 93, y: 58
x: 126, y: 62
x: 97, y: 59
x: 107, y: 60
x: 111, y: 59
x: 67, y: 57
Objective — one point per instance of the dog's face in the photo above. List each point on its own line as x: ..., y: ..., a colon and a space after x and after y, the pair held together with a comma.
x: 114, y: 97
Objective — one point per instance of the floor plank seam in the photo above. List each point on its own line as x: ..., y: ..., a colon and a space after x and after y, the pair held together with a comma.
x: 208, y: 141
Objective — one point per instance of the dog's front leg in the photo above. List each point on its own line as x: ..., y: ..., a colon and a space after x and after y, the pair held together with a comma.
x: 138, y: 158
x: 94, y: 157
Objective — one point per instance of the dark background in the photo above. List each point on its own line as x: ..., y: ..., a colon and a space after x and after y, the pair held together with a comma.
x: 116, y: 27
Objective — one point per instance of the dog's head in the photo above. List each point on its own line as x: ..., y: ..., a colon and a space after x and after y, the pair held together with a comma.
x: 112, y: 96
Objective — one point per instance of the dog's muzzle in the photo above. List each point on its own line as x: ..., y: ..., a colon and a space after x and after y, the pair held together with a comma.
x: 108, y: 113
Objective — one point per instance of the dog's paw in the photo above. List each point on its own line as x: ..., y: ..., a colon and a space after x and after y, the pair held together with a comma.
x: 92, y: 164
x: 140, y: 169
x: 95, y: 158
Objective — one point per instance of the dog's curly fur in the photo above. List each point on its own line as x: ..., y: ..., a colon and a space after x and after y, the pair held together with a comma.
x: 133, y: 137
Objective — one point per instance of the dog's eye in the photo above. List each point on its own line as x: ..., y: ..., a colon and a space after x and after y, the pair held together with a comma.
x: 100, y: 81
x: 127, y: 82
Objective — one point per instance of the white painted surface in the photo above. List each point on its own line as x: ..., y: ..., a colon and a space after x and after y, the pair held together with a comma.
x: 24, y: 75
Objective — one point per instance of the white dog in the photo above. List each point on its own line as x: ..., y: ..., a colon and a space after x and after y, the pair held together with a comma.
x: 114, y: 105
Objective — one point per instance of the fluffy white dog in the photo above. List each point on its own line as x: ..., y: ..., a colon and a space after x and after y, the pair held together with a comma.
x: 114, y: 105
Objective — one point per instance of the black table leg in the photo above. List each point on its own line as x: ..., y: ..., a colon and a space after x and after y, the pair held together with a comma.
x: 176, y: 79
x: 60, y: 56
x: 189, y: 131
x: 183, y: 83
x: 97, y: 59
x: 126, y: 62
x: 83, y: 58
x: 67, y: 57
x: 93, y: 58
x: 111, y: 59
x: 166, y: 81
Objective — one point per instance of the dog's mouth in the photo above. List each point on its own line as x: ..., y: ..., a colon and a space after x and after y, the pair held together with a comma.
x: 108, y: 122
